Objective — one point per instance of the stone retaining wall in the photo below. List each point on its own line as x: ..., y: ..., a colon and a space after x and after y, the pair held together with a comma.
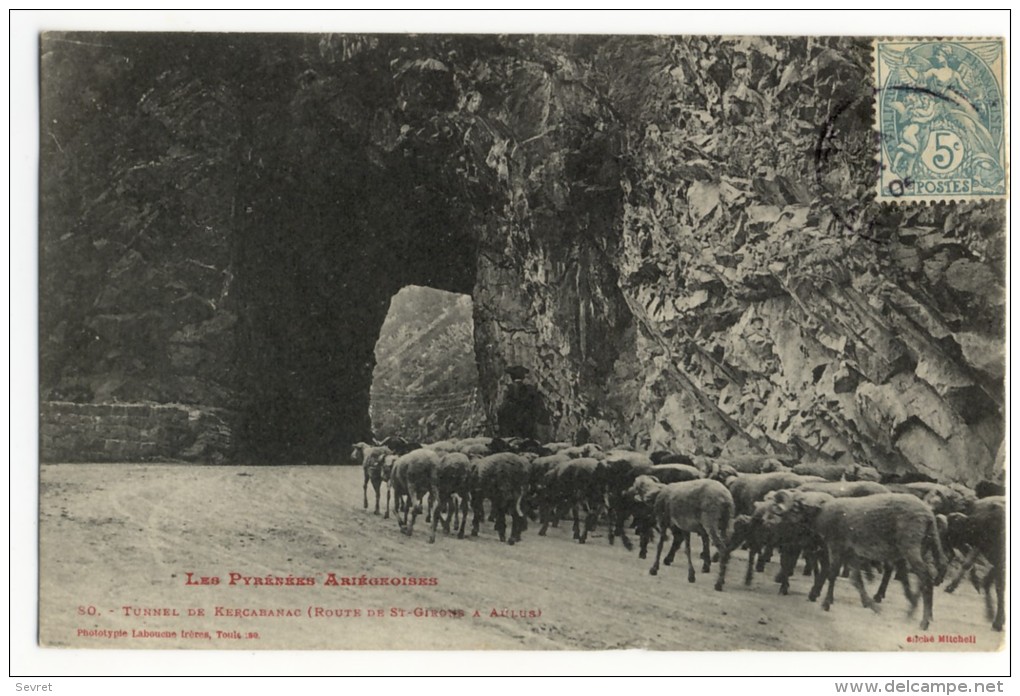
x: 120, y: 432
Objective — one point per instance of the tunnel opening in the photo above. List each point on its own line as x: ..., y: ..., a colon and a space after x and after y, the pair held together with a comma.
x: 425, y: 381
x: 314, y: 289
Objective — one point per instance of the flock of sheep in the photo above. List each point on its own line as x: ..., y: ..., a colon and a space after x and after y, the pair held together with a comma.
x: 839, y: 518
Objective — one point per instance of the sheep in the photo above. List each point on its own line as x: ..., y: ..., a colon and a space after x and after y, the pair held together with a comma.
x: 412, y: 478
x: 704, y: 507
x: 675, y: 473
x: 639, y: 498
x: 988, y: 489
x: 536, y: 482
x: 719, y: 472
x: 577, y: 483
x: 828, y: 471
x: 667, y: 457
x: 557, y: 447
x: 398, y: 445
x: 578, y: 451
x: 503, y: 479
x: 792, y: 536
x: 443, y: 446
x: 753, y: 463
x: 370, y: 458
x: 747, y: 489
x: 942, y: 499
x: 984, y: 531
x: 859, y: 472
x: 908, y: 477
x: 888, y: 528
x: 845, y: 489
x: 449, y: 479
x: 622, y: 468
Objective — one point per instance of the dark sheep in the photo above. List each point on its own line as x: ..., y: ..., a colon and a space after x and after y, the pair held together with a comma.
x: 667, y: 457
x: 450, y: 478
x: 622, y: 469
x: 983, y: 531
x: 398, y: 445
x: 501, y: 478
x: 988, y: 489
x: 577, y: 484
x: 675, y: 473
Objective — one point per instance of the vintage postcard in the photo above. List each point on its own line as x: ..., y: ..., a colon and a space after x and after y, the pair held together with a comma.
x: 522, y: 342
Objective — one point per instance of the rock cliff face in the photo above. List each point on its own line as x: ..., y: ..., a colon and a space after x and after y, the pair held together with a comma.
x: 704, y: 268
x: 676, y: 235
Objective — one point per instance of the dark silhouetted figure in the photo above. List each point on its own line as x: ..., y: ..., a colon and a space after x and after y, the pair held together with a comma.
x: 523, y: 410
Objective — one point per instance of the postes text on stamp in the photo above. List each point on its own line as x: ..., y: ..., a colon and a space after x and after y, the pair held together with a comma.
x: 941, y: 117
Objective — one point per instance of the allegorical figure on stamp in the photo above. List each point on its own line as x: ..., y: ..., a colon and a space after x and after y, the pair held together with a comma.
x: 941, y: 117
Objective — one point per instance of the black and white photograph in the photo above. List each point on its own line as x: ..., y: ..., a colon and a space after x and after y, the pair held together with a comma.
x: 522, y: 341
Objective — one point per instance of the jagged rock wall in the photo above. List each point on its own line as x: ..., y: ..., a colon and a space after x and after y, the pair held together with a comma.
x: 740, y: 286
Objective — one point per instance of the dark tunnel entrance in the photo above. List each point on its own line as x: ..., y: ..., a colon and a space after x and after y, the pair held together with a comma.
x: 317, y: 266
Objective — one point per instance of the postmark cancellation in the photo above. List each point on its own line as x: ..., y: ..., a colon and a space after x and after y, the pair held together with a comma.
x: 941, y: 118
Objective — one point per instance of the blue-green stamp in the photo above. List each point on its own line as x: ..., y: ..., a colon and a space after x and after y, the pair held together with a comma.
x: 941, y: 112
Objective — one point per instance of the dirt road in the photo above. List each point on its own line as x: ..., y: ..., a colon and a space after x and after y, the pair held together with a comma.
x: 118, y: 542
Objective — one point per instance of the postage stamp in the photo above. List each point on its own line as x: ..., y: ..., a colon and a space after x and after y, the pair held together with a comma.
x: 941, y: 119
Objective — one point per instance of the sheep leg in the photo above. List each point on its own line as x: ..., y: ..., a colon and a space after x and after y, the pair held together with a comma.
x: 821, y: 573
x: 722, y: 544
x: 389, y: 489
x: 463, y: 516
x: 687, y: 551
x: 835, y: 564
x: 1000, y: 585
x: 706, y: 554
x: 763, y: 557
x: 414, y: 501
x: 517, y: 523
x: 752, y: 550
x: 376, y: 479
x: 364, y: 488
x: 654, y: 570
x: 886, y: 577
x: 787, y: 564
x: 545, y: 514
x: 908, y: 592
x: 406, y: 509
x: 499, y: 515
x: 916, y: 563
x: 479, y: 513
x: 447, y: 506
x: 435, y: 522
x: 858, y: 583
x: 577, y: 524
x: 810, y: 562
x: 677, y: 540
x: 968, y: 564
x: 589, y: 521
x: 644, y: 530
